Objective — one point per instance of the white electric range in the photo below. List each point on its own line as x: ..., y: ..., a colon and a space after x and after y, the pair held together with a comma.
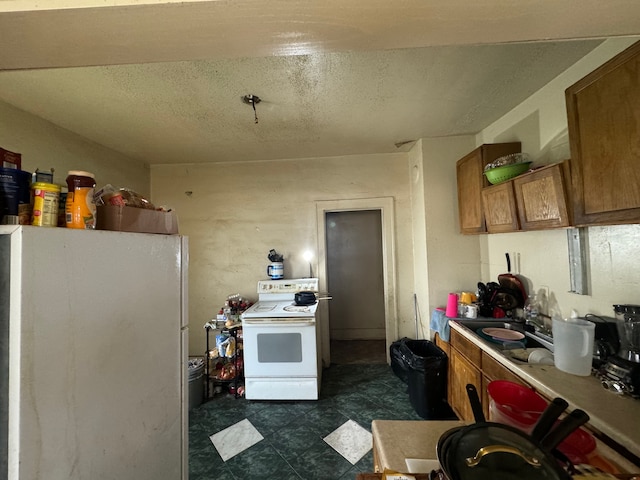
x: 281, y: 343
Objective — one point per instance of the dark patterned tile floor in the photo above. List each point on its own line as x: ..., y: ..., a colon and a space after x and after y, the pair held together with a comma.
x: 358, y: 351
x: 293, y: 447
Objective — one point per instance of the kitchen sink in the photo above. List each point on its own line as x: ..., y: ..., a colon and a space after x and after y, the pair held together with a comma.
x: 475, y: 324
x: 531, y: 340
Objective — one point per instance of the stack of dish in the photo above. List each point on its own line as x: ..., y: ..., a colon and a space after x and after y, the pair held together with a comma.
x: 503, y: 336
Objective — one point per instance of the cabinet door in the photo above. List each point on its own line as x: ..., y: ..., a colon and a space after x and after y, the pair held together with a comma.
x: 493, y: 370
x: 469, y: 173
x: 604, y: 134
x: 444, y: 346
x: 485, y: 397
x: 542, y: 198
x: 466, y: 348
x: 462, y: 373
x: 499, y: 203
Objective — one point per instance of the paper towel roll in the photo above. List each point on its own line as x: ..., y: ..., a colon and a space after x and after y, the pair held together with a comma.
x: 452, y: 306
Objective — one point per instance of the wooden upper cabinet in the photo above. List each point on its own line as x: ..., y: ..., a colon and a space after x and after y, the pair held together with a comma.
x: 541, y: 197
x: 500, y: 209
x: 604, y: 134
x: 532, y: 201
x: 471, y: 181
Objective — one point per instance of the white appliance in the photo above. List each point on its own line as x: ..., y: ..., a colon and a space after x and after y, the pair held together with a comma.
x: 281, y: 343
x: 93, y: 355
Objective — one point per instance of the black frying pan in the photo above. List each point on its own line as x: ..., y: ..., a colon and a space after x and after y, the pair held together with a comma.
x: 492, y: 450
x: 443, y: 447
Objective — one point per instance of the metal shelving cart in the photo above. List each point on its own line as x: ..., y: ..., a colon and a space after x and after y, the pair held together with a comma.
x: 212, y: 381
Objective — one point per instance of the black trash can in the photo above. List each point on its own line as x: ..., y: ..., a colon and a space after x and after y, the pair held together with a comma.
x: 399, y: 354
x: 424, y: 365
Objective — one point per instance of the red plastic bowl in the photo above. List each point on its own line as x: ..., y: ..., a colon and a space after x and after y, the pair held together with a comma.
x: 578, y: 445
x: 516, y: 402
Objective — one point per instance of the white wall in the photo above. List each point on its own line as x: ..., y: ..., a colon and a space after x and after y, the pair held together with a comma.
x: 451, y: 260
x: 419, y: 232
x: 236, y: 213
x: 540, y: 123
x: 44, y: 145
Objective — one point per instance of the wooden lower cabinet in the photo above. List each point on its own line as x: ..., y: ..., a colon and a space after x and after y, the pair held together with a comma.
x: 464, y: 368
x: 469, y: 364
x: 493, y: 370
x: 463, y: 372
x: 445, y: 346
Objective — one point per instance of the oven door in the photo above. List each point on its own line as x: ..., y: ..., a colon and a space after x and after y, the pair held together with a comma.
x: 280, y: 347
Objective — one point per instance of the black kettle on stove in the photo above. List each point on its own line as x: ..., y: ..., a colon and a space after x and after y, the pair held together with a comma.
x: 305, y: 297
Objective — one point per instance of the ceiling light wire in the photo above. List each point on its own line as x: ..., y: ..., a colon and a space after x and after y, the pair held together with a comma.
x: 252, y: 100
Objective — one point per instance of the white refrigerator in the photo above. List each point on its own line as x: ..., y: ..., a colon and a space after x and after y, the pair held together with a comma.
x: 93, y: 355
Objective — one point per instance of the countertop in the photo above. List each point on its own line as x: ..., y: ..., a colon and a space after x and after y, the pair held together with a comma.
x: 395, y: 440
x: 616, y: 416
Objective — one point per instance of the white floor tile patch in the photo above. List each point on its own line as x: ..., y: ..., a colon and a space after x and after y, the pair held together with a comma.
x: 235, y: 439
x: 351, y: 441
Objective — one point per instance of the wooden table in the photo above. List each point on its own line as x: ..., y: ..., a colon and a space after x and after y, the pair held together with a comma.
x: 425, y: 476
x: 395, y: 440
x: 378, y: 476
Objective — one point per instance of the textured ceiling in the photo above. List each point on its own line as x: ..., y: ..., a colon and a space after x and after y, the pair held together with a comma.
x: 316, y: 105
x: 336, y: 77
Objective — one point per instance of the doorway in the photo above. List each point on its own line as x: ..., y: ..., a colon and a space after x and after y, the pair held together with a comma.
x: 355, y: 278
x: 356, y: 267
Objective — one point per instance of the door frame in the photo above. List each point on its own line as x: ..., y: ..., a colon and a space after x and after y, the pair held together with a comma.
x: 385, y: 206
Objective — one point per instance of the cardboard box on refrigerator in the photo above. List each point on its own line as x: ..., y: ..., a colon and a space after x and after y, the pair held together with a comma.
x: 10, y: 159
x: 132, y: 219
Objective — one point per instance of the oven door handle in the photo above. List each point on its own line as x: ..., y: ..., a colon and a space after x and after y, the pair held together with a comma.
x: 290, y: 323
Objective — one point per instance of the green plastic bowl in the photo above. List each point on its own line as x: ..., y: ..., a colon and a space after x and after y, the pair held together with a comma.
x: 506, y: 172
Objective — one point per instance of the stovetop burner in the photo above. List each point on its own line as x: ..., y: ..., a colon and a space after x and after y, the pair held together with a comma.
x: 297, y: 308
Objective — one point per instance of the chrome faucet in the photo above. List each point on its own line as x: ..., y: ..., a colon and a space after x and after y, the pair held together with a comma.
x: 538, y: 326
